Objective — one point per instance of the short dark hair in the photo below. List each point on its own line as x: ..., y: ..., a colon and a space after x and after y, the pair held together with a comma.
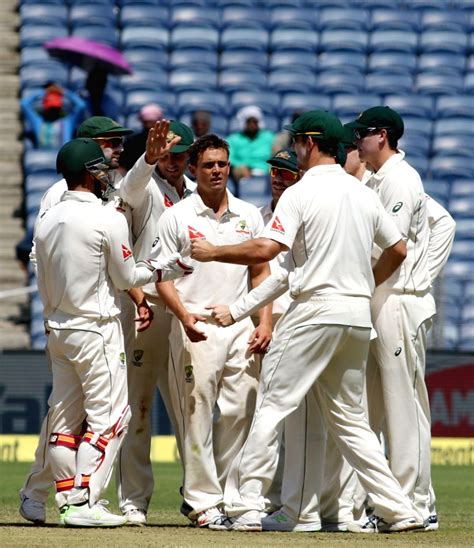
x: 392, y: 139
x: 203, y: 143
x: 327, y: 147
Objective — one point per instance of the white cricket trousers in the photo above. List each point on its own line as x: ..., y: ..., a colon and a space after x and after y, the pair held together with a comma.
x: 147, y: 357
x: 304, y: 352
x: 214, y: 387
x: 89, y: 384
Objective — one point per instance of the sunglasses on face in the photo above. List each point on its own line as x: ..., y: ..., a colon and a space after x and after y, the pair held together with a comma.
x: 285, y: 174
x: 114, y: 142
x: 364, y: 132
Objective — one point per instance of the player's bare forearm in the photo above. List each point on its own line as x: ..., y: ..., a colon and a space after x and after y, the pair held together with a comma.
x: 259, y: 273
x: 251, y: 252
x: 144, y: 312
x: 169, y: 295
x: 137, y: 295
x: 389, y: 261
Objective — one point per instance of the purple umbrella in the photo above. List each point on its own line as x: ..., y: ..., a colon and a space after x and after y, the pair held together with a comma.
x: 88, y: 54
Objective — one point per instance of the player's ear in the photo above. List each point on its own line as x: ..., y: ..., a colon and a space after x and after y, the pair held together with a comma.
x: 192, y: 169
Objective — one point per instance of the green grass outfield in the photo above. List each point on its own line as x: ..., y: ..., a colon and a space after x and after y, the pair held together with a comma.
x: 454, y: 487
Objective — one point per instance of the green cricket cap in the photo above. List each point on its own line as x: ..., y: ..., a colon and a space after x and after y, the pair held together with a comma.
x: 348, y: 137
x: 318, y: 124
x: 182, y: 130
x: 285, y: 158
x: 77, y: 155
x: 101, y: 126
x: 381, y: 118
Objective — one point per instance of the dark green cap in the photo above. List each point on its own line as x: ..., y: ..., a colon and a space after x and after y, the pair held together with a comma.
x: 348, y: 137
x: 318, y: 124
x: 381, y: 118
x: 285, y: 158
x: 77, y: 155
x: 101, y: 126
x: 183, y: 131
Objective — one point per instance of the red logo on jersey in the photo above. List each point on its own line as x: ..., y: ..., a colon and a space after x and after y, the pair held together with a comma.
x: 168, y: 202
x: 126, y: 252
x: 193, y: 233
x: 276, y: 225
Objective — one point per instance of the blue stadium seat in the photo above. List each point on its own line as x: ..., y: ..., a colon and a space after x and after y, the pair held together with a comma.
x: 414, y: 125
x: 349, y: 106
x: 98, y: 33
x: 436, y: 83
x: 35, y: 14
x: 39, y: 161
x: 97, y: 2
x: 382, y: 83
x: 286, y: 17
x: 469, y: 83
x: 393, y: 40
x: 158, y: 79
x: 466, y: 342
x: 415, y: 145
x: 269, y: 101
x: 421, y: 164
x: 243, y: 59
x: 461, y: 208
x: 135, y: 99
x: 451, y: 63
x: 302, y: 102
x: 443, y: 42
x: 411, y: 105
x: 454, y: 126
x: 450, y: 168
x: 464, y: 228
x: 192, y: 58
x: 236, y: 80
x: 144, y: 37
x: 37, y: 35
x: 91, y: 13
x: 144, y: 15
x: 451, y: 145
x: 123, y: 3
x: 40, y: 182
x: 34, y: 55
x: 38, y: 75
x: 341, y: 40
x: 147, y: 57
x: 439, y: 190
x: 289, y: 80
x: 380, y: 4
x: 255, y: 190
x: 430, y: 5
x: 392, y: 62
x: 214, y: 102
x: 293, y: 59
x: 293, y: 39
x: 394, y: 19
x: 462, y: 188
x: 244, y: 15
x: 347, y: 18
x: 198, y: 79
x: 331, y: 82
x: 244, y: 37
x: 446, y: 19
x: 201, y: 16
x: 38, y: 336
x: 50, y: 2
x: 344, y: 61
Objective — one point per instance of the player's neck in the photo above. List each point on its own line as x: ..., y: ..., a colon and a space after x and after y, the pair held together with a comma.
x: 384, y: 155
x: 217, y: 201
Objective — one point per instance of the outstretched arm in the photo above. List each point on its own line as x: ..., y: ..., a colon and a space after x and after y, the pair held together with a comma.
x: 251, y: 252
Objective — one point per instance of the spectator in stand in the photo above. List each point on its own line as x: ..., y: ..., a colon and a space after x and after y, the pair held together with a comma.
x: 250, y: 147
x: 135, y: 145
x: 201, y: 123
x: 283, y: 138
x: 54, y: 123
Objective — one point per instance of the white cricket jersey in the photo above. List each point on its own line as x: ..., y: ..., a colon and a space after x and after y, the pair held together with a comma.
x: 401, y: 192
x: 329, y: 222
x: 84, y: 258
x: 280, y: 305
x: 210, y: 283
x: 442, y: 230
x: 159, y: 196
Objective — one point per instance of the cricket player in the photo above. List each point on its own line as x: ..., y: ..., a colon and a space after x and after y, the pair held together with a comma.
x: 119, y: 194
x: 83, y: 260
x: 213, y: 374
x: 330, y: 224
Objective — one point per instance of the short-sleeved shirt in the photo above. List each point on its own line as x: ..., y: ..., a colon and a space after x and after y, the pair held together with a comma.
x: 213, y: 282
x: 329, y: 222
x: 252, y: 153
x: 401, y: 192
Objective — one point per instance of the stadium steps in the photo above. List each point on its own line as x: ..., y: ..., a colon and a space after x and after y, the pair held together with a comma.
x: 13, y: 330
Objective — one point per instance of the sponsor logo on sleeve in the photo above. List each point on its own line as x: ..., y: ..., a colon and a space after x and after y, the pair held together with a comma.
x: 397, y: 207
x: 193, y: 233
x: 277, y: 226
x: 167, y: 201
x: 126, y: 253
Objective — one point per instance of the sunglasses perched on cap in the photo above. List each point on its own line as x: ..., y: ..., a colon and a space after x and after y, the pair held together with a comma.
x: 114, y: 142
x: 285, y: 174
x: 360, y: 133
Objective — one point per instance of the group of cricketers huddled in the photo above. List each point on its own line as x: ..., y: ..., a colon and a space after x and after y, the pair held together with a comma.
x: 288, y: 343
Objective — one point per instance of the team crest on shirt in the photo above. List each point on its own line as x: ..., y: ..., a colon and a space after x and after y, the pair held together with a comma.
x: 193, y: 233
x: 137, y: 356
x: 122, y: 359
x: 397, y: 207
x: 188, y: 374
x: 126, y: 253
x: 167, y: 201
x: 276, y: 225
x: 120, y: 205
x: 242, y: 227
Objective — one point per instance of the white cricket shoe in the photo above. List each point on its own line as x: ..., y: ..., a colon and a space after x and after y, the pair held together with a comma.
x: 32, y: 510
x: 95, y: 516
x: 248, y: 521
x: 135, y: 516
x: 432, y: 524
x: 211, y: 517
x: 281, y: 521
x: 374, y: 524
x: 368, y: 525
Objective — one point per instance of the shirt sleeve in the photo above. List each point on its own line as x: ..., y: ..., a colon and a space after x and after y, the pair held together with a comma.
x: 386, y: 231
x: 121, y: 266
x: 133, y: 185
x: 442, y: 230
x: 286, y: 220
x: 168, y: 234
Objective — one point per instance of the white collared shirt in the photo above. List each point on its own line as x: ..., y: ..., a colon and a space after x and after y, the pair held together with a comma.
x: 210, y: 283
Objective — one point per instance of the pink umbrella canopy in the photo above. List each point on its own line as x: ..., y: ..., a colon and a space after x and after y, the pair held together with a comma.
x: 88, y: 54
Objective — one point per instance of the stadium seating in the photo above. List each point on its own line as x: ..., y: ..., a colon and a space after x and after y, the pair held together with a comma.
x: 31, y: 14
x: 143, y: 15
x: 393, y: 63
x: 83, y: 14
x: 301, y: 102
x: 269, y: 101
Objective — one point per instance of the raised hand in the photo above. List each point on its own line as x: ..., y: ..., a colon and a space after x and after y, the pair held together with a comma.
x: 157, y: 143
